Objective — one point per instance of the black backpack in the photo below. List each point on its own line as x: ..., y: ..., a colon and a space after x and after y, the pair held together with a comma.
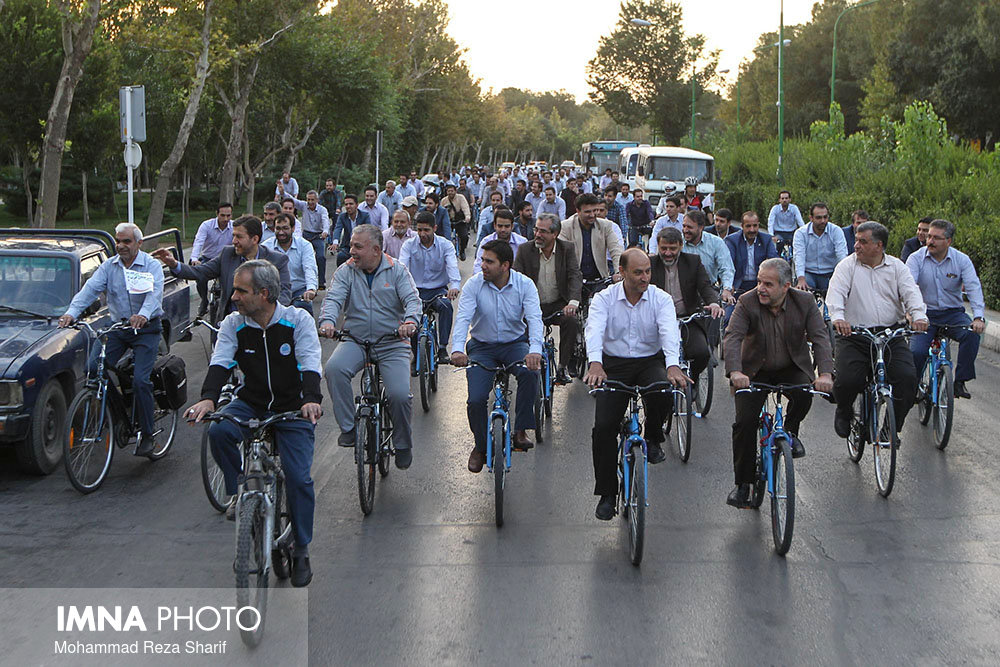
x: 169, y: 382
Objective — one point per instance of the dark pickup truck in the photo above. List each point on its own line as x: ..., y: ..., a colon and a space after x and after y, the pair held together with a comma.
x: 41, y: 366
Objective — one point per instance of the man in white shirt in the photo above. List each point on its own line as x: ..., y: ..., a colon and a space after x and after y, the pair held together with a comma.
x: 503, y: 224
x: 377, y: 213
x: 404, y: 188
x: 302, y: 269
x: 390, y: 197
x: 875, y: 290
x: 212, y: 236
x: 672, y: 218
x: 289, y: 186
x: 632, y: 337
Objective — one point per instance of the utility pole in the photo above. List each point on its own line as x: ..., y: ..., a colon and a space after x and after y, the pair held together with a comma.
x: 693, y: 83
x: 781, y: 94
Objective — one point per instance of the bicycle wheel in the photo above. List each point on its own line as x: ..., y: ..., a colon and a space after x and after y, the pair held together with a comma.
x: 164, y: 428
x: 783, y: 497
x: 832, y: 334
x: 251, y: 564
x: 759, y: 488
x: 423, y: 352
x: 281, y: 556
x: 364, y: 455
x: 383, y: 443
x: 433, y: 365
x: 859, y: 430
x: 944, y: 408
x: 499, y: 466
x: 683, y: 416
x: 925, y: 404
x: 885, y: 446
x: 89, y: 443
x: 705, y: 388
x: 211, y: 476
x: 540, y: 406
x: 636, y: 508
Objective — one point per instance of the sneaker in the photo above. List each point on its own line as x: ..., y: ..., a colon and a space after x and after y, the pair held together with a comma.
x: 842, y: 421
x: 739, y: 497
x: 404, y: 457
x: 605, y: 508
x: 654, y: 453
x: 347, y: 439
x: 301, y: 572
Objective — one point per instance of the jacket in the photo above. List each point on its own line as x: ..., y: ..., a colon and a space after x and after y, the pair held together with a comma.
x: 763, y: 248
x: 603, y: 240
x: 744, y: 343
x: 342, y: 231
x: 696, y: 285
x: 568, y: 276
x: 224, y: 266
x: 460, y: 205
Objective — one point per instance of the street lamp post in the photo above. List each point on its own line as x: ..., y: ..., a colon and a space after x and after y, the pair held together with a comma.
x: 693, y: 82
x: 781, y: 94
x: 833, y: 60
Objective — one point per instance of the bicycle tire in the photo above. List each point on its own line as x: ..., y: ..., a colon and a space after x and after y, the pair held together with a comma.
x: 165, y: 422
x: 281, y: 557
x: 783, y: 513
x: 499, y: 466
x: 759, y: 488
x: 364, y: 451
x: 682, y: 424
x: 211, y: 476
x: 83, y: 441
x: 944, y: 409
x: 384, y: 436
x: 432, y: 378
x: 636, y: 511
x: 423, y: 348
x: 925, y: 406
x: 832, y: 334
x: 884, y: 449
x: 539, y: 406
x: 706, y: 389
x: 251, y: 565
x: 859, y: 430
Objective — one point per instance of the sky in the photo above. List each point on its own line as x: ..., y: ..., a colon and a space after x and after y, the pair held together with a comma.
x: 559, y: 37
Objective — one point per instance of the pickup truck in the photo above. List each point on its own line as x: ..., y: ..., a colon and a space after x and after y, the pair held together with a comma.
x: 41, y: 366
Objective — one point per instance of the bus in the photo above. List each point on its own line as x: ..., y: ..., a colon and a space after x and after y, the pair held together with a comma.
x: 600, y: 155
x: 628, y: 160
x: 664, y: 168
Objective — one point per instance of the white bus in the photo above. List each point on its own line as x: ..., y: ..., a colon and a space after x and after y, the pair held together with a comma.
x: 628, y: 161
x: 662, y: 166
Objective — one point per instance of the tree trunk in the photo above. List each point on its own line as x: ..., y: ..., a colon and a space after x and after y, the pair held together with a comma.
x: 294, y: 150
x: 185, y: 194
x: 251, y: 176
x: 238, y: 117
x: 86, y: 204
x: 366, y: 162
x: 461, y: 156
x: 26, y: 176
x: 423, y: 160
x: 479, y: 149
x: 155, y: 219
x: 430, y: 166
x: 77, y: 42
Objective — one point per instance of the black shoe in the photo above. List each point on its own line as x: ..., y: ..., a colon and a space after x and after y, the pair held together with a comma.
x: 413, y: 368
x: 654, y: 453
x: 302, y: 574
x: 347, y: 439
x: 798, y: 449
x: 961, y: 391
x: 145, y: 446
x: 231, y: 510
x: 739, y: 497
x: 563, y: 377
x: 321, y: 287
x: 443, y: 357
x: 461, y: 255
x: 404, y: 457
x: 842, y: 421
x: 605, y: 508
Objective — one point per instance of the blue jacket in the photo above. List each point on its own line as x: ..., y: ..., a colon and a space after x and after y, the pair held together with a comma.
x: 763, y: 248
x: 849, y: 237
x: 344, y: 228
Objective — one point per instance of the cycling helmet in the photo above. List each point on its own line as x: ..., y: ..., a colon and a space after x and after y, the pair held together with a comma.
x: 690, y: 180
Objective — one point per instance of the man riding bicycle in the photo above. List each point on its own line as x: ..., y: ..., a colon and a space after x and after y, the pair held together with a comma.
x: 817, y: 247
x: 278, y: 351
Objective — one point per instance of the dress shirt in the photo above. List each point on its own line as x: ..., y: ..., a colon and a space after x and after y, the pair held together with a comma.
x: 617, y: 215
x: 418, y: 185
x: 818, y: 254
x: 494, y: 315
x: 782, y: 220
x: 392, y: 244
x: 291, y: 187
x: 432, y: 267
x: 379, y: 214
x: 556, y: 207
x: 626, y: 200
x: 535, y: 201
x: 620, y: 329
x: 662, y: 222
x: 475, y: 187
x: 210, y: 240
x: 314, y: 220
x: 486, y: 217
x: 302, y: 270
x: 548, y: 287
x: 870, y: 297
x: 407, y: 190
x: 515, y: 241
x: 750, y: 272
x: 391, y: 202
x: 672, y: 286
x: 715, y: 257
x: 587, y: 186
x: 941, y: 282
x: 554, y: 185
x: 109, y: 279
x: 605, y: 181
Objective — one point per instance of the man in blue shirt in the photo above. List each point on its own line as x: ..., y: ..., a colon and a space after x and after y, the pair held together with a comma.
x: 390, y: 198
x: 347, y: 221
x: 817, y: 248
x: 302, y: 269
x: 940, y: 272
x: 489, y: 212
x: 287, y: 186
x: 501, y: 311
x: 213, y: 235
x: 133, y: 283
x: 405, y: 189
x: 784, y: 218
x: 714, y: 254
x: 535, y: 196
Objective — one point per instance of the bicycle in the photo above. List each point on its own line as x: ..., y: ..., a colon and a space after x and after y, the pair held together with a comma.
x: 775, y: 471
x: 547, y: 375
x: 874, y: 419
x: 427, y: 352
x: 632, y: 454
x: 935, y: 390
x: 820, y: 296
x: 684, y: 408
x: 263, y: 523
x: 372, y: 422
x: 99, y: 416
x: 578, y: 361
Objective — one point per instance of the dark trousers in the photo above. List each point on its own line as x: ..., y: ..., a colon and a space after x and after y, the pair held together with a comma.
x: 854, y: 368
x: 295, y: 440
x: 695, y: 340
x: 201, y: 284
x: 319, y: 248
x: 481, y: 386
x: 968, y: 342
x: 610, y: 409
x: 462, y: 231
x: 144, y: 347
x: 569, y: 329
x: 748, y: 407
x: 818, y: 281
x: 445, y: 312
x: 299, y: 302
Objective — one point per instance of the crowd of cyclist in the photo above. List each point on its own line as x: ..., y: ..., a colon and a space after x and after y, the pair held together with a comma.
x: 545, y: 244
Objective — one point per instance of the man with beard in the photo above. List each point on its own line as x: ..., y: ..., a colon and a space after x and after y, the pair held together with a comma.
x: 302, y: 269
x: 504, y: 226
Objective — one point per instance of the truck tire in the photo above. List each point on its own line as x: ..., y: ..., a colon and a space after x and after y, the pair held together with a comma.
x: 39, y: 453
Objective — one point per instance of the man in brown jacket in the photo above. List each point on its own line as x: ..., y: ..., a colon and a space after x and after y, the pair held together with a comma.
x: 593, y: 238
x: 766, y: 342
x: 551, y: 264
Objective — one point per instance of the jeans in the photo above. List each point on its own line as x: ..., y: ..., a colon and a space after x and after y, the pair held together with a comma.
x: 319, y: 248
x: 144, y: 347
x: 299, y: 302
x: 818, y: 281
x: 968, y: 342
x: 445, y: 312
x: 480, y: 383
x: 295, y: 441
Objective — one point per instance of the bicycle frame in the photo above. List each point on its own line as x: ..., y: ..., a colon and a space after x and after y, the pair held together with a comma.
x: 428, y: 328
x: 630, y: 437
x: 108, y: 393
x: 771, y: 427
x: 938, y: 355
x: 501, y: 408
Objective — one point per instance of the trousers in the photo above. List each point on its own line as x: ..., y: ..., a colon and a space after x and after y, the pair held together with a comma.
x: 853, y: 365
x: 144, y: 346
x: 968, y: 342
x: 695, y: 342
x: 480, y: 383
x: 569, y: 329
x: 394, y: 365
x: 445, y: 312
x: 319, y: 249
x: 818, y: 281
x: 295, y: 441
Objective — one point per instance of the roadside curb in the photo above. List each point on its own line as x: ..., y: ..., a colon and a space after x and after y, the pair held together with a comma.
x: 991, y: 337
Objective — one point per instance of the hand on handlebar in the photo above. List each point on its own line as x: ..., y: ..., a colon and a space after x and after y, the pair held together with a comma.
x: 823, y: 383
x: 137, y: 321
x: 739, y: 380
x: 715, y: 310
x: 197, y: 411
x: 677, y: 377
x: 407, y: 329
x: 459, y: 359
x: 595, y: 376
x: 65, y: 321
x: 533, y: 361
x: 312, y: 411
x: 842, y: 327
x: 920, y: 325
x: 327, y: 330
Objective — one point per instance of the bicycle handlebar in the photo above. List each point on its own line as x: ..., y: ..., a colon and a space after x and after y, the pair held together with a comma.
x: 253, y: 423
x: 99, y: 333
x: 877, y: 335
x: 659, y: 387
x: 427, y: 303
x: 781, y: 388
x: 199, y: 322
x: 505, y: 368
x: 700, y: 315
x: 341, y: 335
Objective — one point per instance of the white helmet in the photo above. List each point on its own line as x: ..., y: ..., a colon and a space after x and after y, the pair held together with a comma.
x: 690, y: 180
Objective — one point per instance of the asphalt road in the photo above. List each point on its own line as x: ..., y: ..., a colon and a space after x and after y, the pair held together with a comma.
x: 429, y: 579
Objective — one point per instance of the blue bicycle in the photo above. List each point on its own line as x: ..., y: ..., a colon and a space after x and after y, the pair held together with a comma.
x: 935, y: 391
x: 427, y: 352
x: 775, y: 471
x: 547, y: 377
x: 633, y: 465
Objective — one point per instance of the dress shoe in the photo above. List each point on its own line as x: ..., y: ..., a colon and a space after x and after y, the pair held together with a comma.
x: 654, y: 453
x: 798, y: 449
x: 739, y: 497
x: 842, y: 421
x: 562, y: 376
x: 231, y: 510
x: 961, y: 391
x: 605, y: 508
x: 476, y: 460
x: 302, y: 574
x: 321, y: 288
x: 443, y: 357
x: 347, y: 438
x: 413, y: 368
x: 461, y: 255
x: 404, y: 457
x: 145, y: 446
x: 522, y: 442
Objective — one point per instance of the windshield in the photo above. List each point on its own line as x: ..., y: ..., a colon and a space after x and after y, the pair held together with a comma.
x: 41, y: 285
x: 633, y: 160
x: 677, y: 169
x: 601, y: 161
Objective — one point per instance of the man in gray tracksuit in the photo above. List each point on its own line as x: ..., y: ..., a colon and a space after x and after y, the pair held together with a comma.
x: 377, y: 296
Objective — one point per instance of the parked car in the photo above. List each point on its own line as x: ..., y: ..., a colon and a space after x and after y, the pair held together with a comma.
x: 42, y: 366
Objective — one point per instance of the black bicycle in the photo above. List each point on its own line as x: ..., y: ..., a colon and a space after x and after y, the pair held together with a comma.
x: 578, y: 361
x: 427, y: 352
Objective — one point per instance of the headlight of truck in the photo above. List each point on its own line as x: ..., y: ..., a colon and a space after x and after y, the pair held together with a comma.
x: 11, y: 395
